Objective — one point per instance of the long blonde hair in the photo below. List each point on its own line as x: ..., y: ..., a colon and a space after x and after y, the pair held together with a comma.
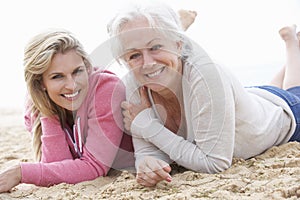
x: 38, y: 55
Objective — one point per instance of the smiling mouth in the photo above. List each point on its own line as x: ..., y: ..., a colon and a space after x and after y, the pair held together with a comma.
x: 69, y: 96
x: 156, y: 73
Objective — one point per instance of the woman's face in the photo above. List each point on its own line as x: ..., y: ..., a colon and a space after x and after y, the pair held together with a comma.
x: 66, y: 80
x: 153, y: 58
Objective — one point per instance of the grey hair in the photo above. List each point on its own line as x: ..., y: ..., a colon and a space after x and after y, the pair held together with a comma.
x: 160, y: 17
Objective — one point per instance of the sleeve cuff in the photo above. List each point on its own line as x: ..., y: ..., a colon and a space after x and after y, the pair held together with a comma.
x: 31, y: 173
x: 145, y: 125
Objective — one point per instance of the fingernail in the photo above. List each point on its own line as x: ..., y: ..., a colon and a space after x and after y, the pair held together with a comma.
x: 169, y: 179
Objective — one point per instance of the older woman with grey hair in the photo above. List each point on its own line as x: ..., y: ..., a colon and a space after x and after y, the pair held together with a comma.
x: 182, y: 107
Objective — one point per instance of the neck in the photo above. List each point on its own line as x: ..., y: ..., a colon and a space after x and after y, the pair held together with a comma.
x: 170, y: 95
x: 70, y: 118
x: 175, y: 88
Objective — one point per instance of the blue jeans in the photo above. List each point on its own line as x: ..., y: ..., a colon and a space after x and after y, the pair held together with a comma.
x: 292, y: 97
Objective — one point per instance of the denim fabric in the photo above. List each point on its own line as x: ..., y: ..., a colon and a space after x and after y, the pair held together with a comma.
x: 292, y: 97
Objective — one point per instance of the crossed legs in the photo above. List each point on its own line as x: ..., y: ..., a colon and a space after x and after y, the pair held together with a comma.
x: 289, y: 75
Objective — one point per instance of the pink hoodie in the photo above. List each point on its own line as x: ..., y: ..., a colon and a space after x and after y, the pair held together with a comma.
x: 100, y: 125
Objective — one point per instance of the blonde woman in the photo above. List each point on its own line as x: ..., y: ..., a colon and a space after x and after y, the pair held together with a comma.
x: 73, y: 112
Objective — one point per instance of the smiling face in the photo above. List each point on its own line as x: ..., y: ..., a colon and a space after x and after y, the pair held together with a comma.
x: 153, y: 58
x: 66, y: 80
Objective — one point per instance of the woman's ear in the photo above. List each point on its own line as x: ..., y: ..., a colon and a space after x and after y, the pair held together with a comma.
x: 43, y: 86
x: 179, y: 47
x: 88, y: 69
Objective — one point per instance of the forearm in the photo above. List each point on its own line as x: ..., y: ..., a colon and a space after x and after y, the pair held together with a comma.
x: 180, y: 150
x: 66, y: 171
x: 54, y: 143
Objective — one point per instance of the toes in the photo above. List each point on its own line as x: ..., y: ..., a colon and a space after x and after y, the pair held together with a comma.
x: 288, y: 32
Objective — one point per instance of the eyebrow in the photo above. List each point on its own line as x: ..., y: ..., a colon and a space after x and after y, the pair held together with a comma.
x: 148, y: 43
x: 59, y: 73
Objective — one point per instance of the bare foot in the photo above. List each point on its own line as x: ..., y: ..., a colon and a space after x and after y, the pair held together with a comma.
x: 288, y: 33
x: 187, y: 17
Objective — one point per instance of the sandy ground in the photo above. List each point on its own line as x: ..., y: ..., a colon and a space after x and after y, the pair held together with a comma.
x: 272, y: 175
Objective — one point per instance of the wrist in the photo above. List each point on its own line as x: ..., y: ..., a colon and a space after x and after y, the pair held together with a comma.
x: 16, y: 170
x: 145, y: 124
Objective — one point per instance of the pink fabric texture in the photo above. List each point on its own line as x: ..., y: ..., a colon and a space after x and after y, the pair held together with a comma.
x: 101, y: 130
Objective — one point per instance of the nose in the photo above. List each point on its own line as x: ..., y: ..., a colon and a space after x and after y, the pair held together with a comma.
x: 148, y: 60
x: 70, y: 82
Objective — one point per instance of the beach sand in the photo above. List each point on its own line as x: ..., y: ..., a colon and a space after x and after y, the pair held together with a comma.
x: 273, y: 175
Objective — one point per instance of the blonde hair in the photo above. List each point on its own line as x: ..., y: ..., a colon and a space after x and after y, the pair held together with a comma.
x: 38, y: 55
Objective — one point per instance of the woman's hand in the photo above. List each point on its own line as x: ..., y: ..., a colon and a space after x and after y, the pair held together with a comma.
x: 10, y: 178
x: 152, y: 170
x: 130, y: 111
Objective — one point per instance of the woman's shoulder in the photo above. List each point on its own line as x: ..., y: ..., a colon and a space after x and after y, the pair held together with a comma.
x: 102, y: 74
x: 105, y: 82
x: 102, y: 77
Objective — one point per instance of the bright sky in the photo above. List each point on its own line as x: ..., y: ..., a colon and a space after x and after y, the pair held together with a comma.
x: 237, y: 33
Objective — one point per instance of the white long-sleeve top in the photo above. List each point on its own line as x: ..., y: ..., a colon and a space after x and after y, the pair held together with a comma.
x: 223, y: 120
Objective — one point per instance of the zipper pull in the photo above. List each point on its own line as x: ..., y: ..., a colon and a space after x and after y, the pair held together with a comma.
x: 79, y: 135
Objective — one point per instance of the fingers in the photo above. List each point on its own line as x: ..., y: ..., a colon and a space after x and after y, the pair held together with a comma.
x: 127, y: 117
x: 163, y: 175
x: 151, y: 171
x: 126, y: 114
x: 130, y: 111
x: 127, y: 124
x: 164, y: 170
x: 149, y: 179
x: 165, y: 166
x: 144, y: 101
x: 125, y: 105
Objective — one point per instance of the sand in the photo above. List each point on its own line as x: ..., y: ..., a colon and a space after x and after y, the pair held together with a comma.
x: 273, y: 175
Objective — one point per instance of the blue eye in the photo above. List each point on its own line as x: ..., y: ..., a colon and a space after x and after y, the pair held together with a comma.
x: 134, y: 56
x: 77, y: 71
x: 56, y: 76
x: 156, y: 47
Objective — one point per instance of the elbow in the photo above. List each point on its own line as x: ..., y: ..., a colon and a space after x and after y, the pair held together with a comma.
x: 217, y: 165
x: 220, y: 167
x: 101, y: 170
x: 212, y: 165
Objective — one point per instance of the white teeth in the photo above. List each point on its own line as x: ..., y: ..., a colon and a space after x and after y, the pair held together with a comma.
x: 71, y: 95
x: 155, y: 73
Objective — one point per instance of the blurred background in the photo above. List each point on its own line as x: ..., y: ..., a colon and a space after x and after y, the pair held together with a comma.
x: 239, y: 34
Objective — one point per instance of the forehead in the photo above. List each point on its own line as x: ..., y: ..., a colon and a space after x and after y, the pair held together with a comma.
x: 70, y: 56
x: 61, y: 61
x: 138, y: 33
